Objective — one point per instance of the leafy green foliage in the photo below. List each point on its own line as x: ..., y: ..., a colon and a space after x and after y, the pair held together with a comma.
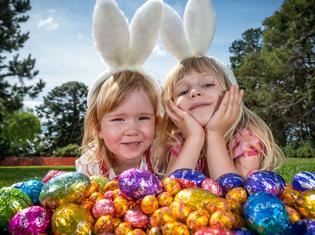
x: 277, y: 70
x: 14, y: 70
x: 22, y: 129
x: 72, y: 150
x: 62, y: 114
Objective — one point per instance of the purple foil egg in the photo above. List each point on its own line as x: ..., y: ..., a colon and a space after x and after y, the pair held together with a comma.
x: 188, y: 174
x: 136, y: 183
x: 229, y: 181
x: 265, y: 181
x: 31, y: 220
x: 304, y: 180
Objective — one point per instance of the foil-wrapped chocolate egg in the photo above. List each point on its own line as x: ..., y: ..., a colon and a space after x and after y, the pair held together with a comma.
x: 137, y: 183
x: 265, y: 181
x: 189, y: 174
x: 289, y: 196
x: 71, y: 218
x: 212, y: 186
x: 293, y: 214
x: 12, y: 200
x: 137, y: 231
x: 304, y: 180
x: 103, y: 207
x: 136, y: 218
x: 31, y: 220
x: 265, y: 214
x: 213, y: 231
x: 121, y: 205
x: 165, y: 199
x: 171, y: 185
x: 32, y: 188
x: 149, y: 204
x: 229, y: 181
x: 306, y: 204
x: 100, y: 181
x: 180, y: 210
x: 155, y: 231
x: 222, y: 218
x: 65, y: 188
x: 123, y: 228
x: 197, y: 219
x: 104, y: 224
x: 161, y: 216
x: 51, y: 174
x: 195, y: 198
x: 216, y: 204
x: 175, y: 228
x: 236, y: 197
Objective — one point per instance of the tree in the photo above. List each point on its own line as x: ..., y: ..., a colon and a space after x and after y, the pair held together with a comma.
x: 62, y: 114
x: 21, y: 131
x: 279, y: 78
x: 13, y: 70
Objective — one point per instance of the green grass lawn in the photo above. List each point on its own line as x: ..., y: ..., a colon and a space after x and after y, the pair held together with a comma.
x: 10, y: 175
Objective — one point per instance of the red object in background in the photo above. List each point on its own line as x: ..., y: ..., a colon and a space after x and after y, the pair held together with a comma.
x: 38, y: 161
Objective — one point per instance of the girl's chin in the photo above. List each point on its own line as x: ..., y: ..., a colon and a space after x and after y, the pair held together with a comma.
x: 202, y: 121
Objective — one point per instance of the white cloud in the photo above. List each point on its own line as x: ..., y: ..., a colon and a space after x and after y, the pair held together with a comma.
x: 49, y: 24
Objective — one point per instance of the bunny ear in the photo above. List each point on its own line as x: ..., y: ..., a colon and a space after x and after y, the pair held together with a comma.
x: 173, y: 34
x: 199, y: 21
x: 229, y: 73
x: 111, y: 33
x: 144, y: 29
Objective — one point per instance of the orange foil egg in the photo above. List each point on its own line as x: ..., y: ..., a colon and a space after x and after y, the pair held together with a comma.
x: 161, y: 216
x: 171, y: 185
x: 180, y: 210
x: 289, y: 196
x: 111, y: 185
x: 306, y: 204
x: 165, y: 199
x: 121, y: 206
x: 197, y: 219
x: 155, y: 231
x: 293, y: 214
x: 104, y: 224
x: 175, y: 228
x: 149, y: 204
x: 223, y: 219
x: 137, y: 231
x: 217, y: 203
x: 123, y: 228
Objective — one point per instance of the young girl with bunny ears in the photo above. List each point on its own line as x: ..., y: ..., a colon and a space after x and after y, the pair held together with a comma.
x: 206, y: 126
x: 123, y: 103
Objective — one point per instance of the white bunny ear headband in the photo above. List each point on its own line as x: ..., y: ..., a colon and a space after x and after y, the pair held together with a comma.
x: 123, y: 46
x: 192, y: 36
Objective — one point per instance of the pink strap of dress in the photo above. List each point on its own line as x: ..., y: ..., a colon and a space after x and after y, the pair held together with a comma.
x: 246, y: 144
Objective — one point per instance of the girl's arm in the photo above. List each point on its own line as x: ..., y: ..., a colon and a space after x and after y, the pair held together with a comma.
x: 194, y: 139
x: 219, y: 161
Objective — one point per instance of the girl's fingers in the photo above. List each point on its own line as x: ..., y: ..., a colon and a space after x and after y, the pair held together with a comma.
x: 170, y: 112
x: 231, y: 103
x: 224, y: 103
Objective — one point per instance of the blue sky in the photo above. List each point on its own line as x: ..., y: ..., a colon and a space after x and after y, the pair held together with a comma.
x: 61, y: 42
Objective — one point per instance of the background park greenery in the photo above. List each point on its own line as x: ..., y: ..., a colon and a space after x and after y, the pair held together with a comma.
x: 273, y: 63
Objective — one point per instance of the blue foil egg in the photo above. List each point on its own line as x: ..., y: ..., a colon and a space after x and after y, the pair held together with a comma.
x: 242, y: 231
x: 265, y: 214
x: 304, y: 226
x: 32, y: 188
x: 229, y: 181
x: 189, y: 174
x: 304, y: 180
x: 265, y: 181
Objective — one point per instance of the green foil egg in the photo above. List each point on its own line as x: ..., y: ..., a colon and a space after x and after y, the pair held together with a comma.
x: 65, y: 188
x: 12, y: 200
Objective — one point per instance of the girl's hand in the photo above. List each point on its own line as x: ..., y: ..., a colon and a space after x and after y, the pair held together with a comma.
x: 184, y: 121
x: 227, y: 112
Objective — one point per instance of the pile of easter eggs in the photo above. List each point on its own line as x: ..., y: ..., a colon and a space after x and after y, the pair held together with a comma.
x: 138, y: 202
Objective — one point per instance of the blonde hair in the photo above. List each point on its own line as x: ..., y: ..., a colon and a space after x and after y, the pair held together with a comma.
x: 109, y: 95
x: 272, y: 155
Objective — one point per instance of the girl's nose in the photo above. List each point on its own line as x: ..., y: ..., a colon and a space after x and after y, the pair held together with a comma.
x: 131, y: 129
x: 194, y: 93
